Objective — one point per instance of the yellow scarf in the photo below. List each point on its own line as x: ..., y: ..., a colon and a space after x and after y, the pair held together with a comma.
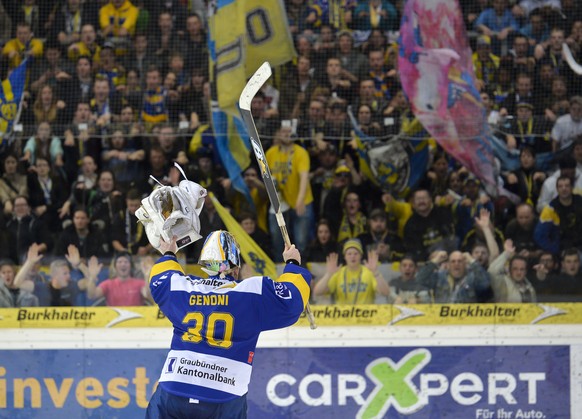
x: 348, y: 231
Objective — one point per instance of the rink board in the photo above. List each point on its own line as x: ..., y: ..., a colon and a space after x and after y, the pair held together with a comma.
x: 509, y: 370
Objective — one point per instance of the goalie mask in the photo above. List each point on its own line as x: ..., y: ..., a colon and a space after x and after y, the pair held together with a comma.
x: 220, y: 253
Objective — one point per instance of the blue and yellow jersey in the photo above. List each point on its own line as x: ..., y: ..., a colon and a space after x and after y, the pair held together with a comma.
x: 155, y: 109
x: 217, y: 323
x: 124, y: 17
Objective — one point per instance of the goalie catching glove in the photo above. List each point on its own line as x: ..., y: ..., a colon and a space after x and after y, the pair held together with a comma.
x: 173, y: 211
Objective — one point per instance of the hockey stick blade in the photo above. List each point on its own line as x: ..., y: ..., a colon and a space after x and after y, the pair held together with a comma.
x: 254, y: 85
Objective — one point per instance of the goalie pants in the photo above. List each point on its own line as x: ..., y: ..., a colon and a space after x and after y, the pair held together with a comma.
x: 164, y: 405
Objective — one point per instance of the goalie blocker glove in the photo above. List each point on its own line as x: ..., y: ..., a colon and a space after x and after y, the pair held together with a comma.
x: 173, y: 211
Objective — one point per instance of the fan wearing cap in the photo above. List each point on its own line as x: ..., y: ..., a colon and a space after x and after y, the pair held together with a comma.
x: 217, y: 322
x: 485, y: 62
x: 470, y: 206
x: 354, y: 283
x: 388, y: 245
x: 526, y: 130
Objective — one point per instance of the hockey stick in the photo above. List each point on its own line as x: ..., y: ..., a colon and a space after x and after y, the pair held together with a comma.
x: 246, y: 97
x: 576, y: 68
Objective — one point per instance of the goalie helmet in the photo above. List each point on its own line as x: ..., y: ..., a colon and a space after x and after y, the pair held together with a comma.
x: 220, y: 253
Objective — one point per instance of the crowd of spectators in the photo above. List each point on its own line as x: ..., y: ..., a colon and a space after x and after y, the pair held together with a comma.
x: 118, y: 90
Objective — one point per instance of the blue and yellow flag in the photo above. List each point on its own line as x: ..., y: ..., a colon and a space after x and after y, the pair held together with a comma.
x: 10, y: 95
x: 397, y: 165
x: 243, y: 35
x: 250, y: 250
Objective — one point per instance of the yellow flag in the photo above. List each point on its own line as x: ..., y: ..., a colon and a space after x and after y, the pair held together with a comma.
x: 244, y: 34
x: 250, y: 250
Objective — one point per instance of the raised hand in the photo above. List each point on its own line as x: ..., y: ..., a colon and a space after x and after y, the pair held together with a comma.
x: 509, y: 247
x: 93, y: 267
x: 331, y: 263
x: 372, y: 262
x: 33, y: 255
x: 73, y: 256
x: 484, y: 219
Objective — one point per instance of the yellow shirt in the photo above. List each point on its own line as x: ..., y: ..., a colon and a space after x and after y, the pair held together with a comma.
x: 286, y: 167
x: 35, y: 47
x: 84, y: 51
x: 124, y: 17
x: 353, y: 287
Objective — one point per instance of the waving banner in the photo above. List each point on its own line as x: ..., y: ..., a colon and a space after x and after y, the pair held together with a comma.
x: 437, y: 75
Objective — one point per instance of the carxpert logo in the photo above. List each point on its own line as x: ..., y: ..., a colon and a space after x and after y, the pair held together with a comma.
x: 415, y: 384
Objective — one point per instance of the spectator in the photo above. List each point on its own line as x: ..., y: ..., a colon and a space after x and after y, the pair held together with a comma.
x: 339, y: 86
x: 351, y: 222
x: 558, y: 103
x: 486, y: 235
x: 105, y: 108
x: 195, y: 43
x: 385, y: 79
x: 485, y: 62
x: 124, y: 160
x: 375, y: 14
x: 312, y: 127
x: 568, y: 127
x: 510, y: 284
x: 11, y: 295
x: 259, y: 196
x: 560, y: 225
x: 109, y: 69
x: 70, y: 19
x: 324, y: 48
x: 354, y: 283
x: 76, y: 88
x: 566, y: 285
x: 378, y: 237
x: 404, y: 288
x: 140, y: 58
x: 367, y: 96
x: 49, y: 69
x: 471, y: 203
x: 428, y: 228
x: 527, y: 181
x: 523, y: 61
x: 155, y: 101
x: 366, y: 122
x: 24, y: 229
x: 79, y: 143
x: 551, y: 53
x: 12, y: 183
x: 463, y: 281
x: 63, y: 290
x: 497, y: 23
x: 290, y: 165
x: 172, y: 146
x: 21, y: 47
x: 86, y: 46
x: 47, y: 108
x: 549, y: 190
x: 537, y: 30
x: 128, y: 235
x: 353, y: 62
x: 120, y: 290
x: 521, y: 230
x: 158, y: 168
x: 118, y: 19
x: 165, y: 40
x: 87, y: 239
x: 322, y: 245
x: 527, y: 130
x: 82, y: 186
x: 174, y: 9
x: 248, y: 222
x: 48, y: 193
x: 523, y: 94
x: 104, y: 203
